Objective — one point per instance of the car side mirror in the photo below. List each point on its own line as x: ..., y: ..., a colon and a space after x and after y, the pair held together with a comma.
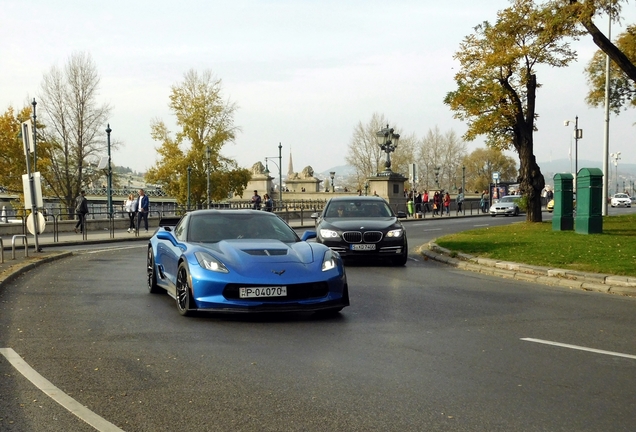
x: 401, y: 214
x: 315, y: 215
x: 308, y: 235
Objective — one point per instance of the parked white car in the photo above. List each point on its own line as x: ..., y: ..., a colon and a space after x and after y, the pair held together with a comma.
x: 506, y: 206
x: 621, y: 200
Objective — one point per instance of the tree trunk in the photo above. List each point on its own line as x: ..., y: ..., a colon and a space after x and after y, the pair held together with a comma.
x: 531, y: 181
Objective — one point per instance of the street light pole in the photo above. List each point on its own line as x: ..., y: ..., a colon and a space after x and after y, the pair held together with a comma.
x: 332, y: 174
x: 189, y: 171
x: 578, y: 133
x: 280, y: 174
x: 616, y: 156
x: 110, y: 175
x: 207, y: 154
x: 35, y: 155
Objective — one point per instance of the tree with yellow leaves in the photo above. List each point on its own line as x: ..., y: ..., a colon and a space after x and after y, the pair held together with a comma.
x: 205, y: 121
x: 497, y: 83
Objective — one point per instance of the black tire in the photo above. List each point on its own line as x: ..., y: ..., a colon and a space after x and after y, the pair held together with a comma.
x: 493, y: 215
x: 183, y: 294
x: 151, y: 271
x: 516, y: 211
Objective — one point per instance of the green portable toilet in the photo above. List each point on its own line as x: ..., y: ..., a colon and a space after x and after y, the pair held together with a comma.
x: 563, y: 219
x: 589, y: 201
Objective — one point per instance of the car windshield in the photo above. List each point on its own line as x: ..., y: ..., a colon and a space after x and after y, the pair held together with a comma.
x: 358, y: 209
x: 620, y: 196
x: 214, y: 227
x: 508, y: 199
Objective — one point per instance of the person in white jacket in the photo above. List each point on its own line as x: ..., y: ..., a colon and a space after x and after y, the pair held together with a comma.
x: 130, y: 206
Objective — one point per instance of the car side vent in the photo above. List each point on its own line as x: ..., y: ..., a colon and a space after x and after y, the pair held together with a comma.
x: 266, y: 252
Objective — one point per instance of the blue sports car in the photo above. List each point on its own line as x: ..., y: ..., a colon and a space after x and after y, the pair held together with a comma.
x: 244, y: 261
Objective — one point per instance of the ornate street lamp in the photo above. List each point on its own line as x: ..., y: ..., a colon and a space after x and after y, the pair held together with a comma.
x: 436, y: 171
x: 388, y: 142
x: 366, y: 188
x: 332, y: 174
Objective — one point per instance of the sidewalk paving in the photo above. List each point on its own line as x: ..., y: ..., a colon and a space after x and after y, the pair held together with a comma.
x: 624, y: 285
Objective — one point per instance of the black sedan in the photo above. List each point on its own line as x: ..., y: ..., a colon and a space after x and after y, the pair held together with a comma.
x: 362, y: 227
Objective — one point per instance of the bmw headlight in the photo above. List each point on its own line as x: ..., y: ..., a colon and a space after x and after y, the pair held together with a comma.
x: 330, y: 261
x: 396, y: 233
x: 208, y: 262
x: 327, y: 233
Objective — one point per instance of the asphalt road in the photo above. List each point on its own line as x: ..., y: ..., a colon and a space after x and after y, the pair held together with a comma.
x: 424, y: 347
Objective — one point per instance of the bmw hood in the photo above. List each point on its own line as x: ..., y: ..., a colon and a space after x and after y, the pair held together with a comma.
x: 367, y: 224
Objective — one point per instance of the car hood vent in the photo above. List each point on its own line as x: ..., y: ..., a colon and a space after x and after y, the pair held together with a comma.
x: 266, y: 252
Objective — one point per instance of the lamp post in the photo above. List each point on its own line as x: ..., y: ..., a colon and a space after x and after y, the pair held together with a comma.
x: 436, y: 171
x: 189, y: 172
x: 110, y: 175
x: 332, y: 174
x: 366, y: 188
x: 280, y: 171
x: 578, y: 133
x: 388, y: 142
x: 207, y: 155
x: 35, y: 155
x: 616, y: 156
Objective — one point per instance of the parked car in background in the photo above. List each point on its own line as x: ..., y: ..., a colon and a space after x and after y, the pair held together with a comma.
x: 244, y: 261
x: 362, y: 227
x: 621, y: 200
x: 507, y: 205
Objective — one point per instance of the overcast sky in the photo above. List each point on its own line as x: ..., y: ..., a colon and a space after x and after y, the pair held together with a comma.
x: 302, y: 72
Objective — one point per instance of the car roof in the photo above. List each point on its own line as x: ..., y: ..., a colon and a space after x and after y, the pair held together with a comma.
x: 350, y: 198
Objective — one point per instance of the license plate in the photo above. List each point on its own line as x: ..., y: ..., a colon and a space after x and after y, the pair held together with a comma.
x: 363, y: 247
x: 256, y: 292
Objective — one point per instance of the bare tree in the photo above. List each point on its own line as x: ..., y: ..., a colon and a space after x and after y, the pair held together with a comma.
x: 439, y: 159
x: 364, y: 154
x: 75, y: 124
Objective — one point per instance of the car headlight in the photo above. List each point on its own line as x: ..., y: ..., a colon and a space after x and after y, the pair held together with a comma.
x: 208, y: 262
x: 330, y: 260
x: 396, y: 233
x: 327, y: 233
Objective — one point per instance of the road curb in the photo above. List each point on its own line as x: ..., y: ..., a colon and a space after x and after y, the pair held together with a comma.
x: 612, y: 284
x: 12, y: 272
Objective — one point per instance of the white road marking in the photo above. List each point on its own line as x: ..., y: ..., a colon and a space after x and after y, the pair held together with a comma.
x: 58, y: 395
x: 581, y: 348
x: 481, y: 225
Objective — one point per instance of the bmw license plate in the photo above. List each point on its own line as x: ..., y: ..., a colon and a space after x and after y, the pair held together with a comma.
x: 256, y: 292
x: 363, y: 247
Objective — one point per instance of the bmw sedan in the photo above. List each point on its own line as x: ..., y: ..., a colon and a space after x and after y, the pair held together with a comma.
x: 244, y: 261
x: 362, y: 227
x: 506, y: 206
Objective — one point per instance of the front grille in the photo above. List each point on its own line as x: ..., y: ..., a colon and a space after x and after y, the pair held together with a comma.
x: 372, y: 236
x: 352, y: 236
x: 294, y: 292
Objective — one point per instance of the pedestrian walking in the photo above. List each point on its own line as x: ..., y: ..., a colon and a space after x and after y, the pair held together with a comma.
x: 437, y: 204
x: 130, y: 207
x: 460, y: 201
x: 447, y: 201
x: 143, y: 206
x: 81, y: 209
x: 425, y: 199
x: 256, y: 201
x: 269, y: 203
